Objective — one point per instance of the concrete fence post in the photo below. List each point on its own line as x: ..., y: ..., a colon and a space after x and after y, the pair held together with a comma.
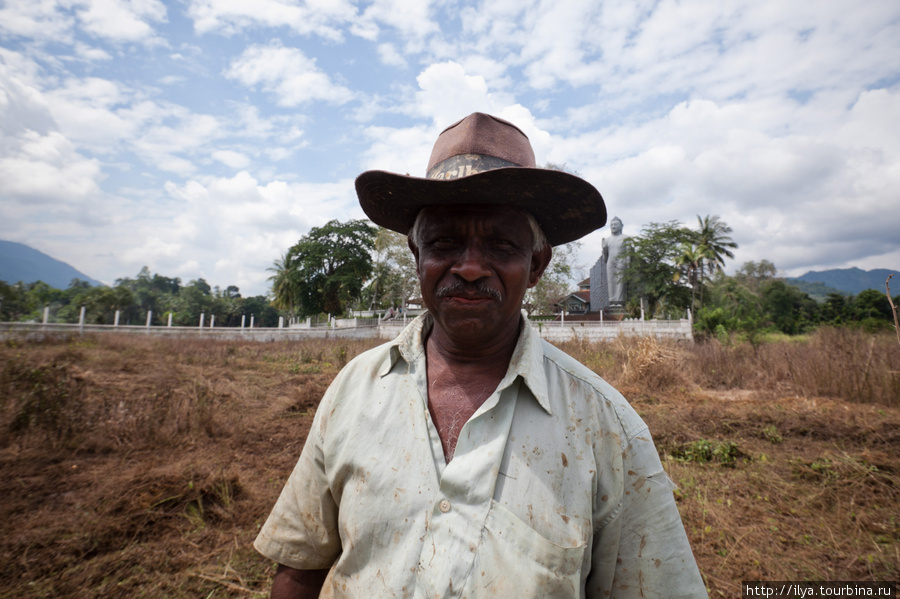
x: 81, y: 321
x: 281, y: 322
x: 46, y: 314
x: 149, y: 317
x: 243, y: 319
x: 116, y: 321
x: 202, y: 318
x: 170, y: 320
x: 252, y: 316
x: 212, y: 321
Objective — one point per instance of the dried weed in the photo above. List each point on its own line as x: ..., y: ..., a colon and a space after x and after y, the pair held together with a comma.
x: 135, y: 466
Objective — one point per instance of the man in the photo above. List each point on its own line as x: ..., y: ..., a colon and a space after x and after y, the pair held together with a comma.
x: 468, y: 458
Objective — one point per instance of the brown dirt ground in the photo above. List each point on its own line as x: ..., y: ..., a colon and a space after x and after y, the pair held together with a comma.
x: 134, y: 467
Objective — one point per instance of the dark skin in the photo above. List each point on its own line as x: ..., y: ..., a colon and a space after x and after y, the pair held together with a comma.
x: 480, y: 248
x: 484, y: 256
x: 290, y: 583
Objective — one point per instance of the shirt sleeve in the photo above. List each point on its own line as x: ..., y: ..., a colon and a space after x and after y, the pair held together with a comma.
x: 301, y: 531
x: 645, y: 548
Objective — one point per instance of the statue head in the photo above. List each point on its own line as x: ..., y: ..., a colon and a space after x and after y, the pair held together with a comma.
x: 615, y: 225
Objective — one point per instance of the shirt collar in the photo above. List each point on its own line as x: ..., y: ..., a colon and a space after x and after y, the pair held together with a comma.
x: 527, y: 360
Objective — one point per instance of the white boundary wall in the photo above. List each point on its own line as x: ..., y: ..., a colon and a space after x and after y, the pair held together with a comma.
x: 607, y: 331
x: 551, y: 331
x: 592, y: 330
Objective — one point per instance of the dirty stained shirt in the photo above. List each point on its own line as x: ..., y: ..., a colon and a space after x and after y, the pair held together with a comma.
x: 555, y: 488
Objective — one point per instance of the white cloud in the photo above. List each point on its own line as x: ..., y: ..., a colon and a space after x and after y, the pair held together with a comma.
x: 783, y: 118
x: 403, y: 150
x: 46, y: 169
x: 321, y: 17
x: 57, y: 20
x: 91, y: 54
x: 389, y: 56
x: 38, y: 164
x: 22, y: 107
x: 121, y: 20
x: 85, y: 111
x: 446, y: 93
x: 288, y: 74
x: 234, y: 160
x: 410, y: 19
x: 177, y: 131
x: 234, y: 228
x: 173, y: 80
x: 36, y: 19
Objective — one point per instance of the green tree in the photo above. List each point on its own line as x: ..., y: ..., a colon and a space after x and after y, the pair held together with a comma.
x: 394, y: 279
x: 264, y: 313
x: 787, y: 308
x: 152, y: 293
x: 556, y: 281
x: 689, y: 260
x: 713, y: 234
x: 193, y: 299
x: 39, y: 295
x: 13, y: 304
x: 285, y: 281
x: 713, y: 237
x: 733, y: 306
x: 650, y: 267
x: 754, y: 274
x: 870, y: 303
x: 835, y: 308
x: 332, y: 264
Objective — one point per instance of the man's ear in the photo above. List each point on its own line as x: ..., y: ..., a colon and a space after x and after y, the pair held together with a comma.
x: 539, y: 262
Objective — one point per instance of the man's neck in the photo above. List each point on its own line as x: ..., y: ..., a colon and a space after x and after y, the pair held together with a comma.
x: 460, y: 378
x: 469, y: 353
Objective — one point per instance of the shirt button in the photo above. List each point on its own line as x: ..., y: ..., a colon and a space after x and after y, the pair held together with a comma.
x: 445, y: 506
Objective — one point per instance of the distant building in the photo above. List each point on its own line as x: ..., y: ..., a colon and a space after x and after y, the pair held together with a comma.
x: 577, y: 302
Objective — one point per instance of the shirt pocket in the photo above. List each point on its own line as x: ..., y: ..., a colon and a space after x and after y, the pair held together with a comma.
x: 514, y: 560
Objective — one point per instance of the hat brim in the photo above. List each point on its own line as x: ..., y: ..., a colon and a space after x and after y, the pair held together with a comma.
x: 567, y: 207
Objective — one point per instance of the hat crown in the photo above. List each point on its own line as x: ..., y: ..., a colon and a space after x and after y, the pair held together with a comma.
x: 496, y: 142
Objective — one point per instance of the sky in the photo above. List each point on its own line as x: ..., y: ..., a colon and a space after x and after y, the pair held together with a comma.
x: 203, y: 138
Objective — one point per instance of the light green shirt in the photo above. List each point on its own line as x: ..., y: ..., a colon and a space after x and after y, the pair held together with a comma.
x: 555, y: 488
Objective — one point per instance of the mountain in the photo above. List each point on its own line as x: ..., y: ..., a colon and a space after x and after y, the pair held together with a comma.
x: 848, y: 280
x: 18, y: 262
x: 818, y: 291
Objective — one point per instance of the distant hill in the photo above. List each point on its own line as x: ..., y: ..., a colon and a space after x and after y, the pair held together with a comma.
x: 847, y: 280
x: 18, y: 262
x: 818, y: 291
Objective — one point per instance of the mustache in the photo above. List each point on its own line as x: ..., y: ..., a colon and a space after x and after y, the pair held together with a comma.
x: 478, y: 289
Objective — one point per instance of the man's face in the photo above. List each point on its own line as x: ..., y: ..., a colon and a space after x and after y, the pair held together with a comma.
x: 474, y: 265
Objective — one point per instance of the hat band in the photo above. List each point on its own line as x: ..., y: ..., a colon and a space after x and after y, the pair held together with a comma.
x: 465, y: 165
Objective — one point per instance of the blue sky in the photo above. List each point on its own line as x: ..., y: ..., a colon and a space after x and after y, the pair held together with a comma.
x: 202, y: 138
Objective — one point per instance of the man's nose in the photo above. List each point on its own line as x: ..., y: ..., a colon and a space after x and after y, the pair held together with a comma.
x: 471, y: 264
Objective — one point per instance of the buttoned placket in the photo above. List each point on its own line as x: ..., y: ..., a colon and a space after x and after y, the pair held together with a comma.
x: 454, y: 528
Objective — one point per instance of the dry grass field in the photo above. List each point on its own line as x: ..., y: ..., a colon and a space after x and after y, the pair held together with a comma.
x: 141, y: 467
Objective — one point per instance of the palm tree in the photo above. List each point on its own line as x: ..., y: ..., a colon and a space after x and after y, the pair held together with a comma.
x: 713, y: 234
x: 283, y: 288
x: 690, y: 261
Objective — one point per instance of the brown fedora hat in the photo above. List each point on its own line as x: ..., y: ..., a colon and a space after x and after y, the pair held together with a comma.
x: 485, y: 160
